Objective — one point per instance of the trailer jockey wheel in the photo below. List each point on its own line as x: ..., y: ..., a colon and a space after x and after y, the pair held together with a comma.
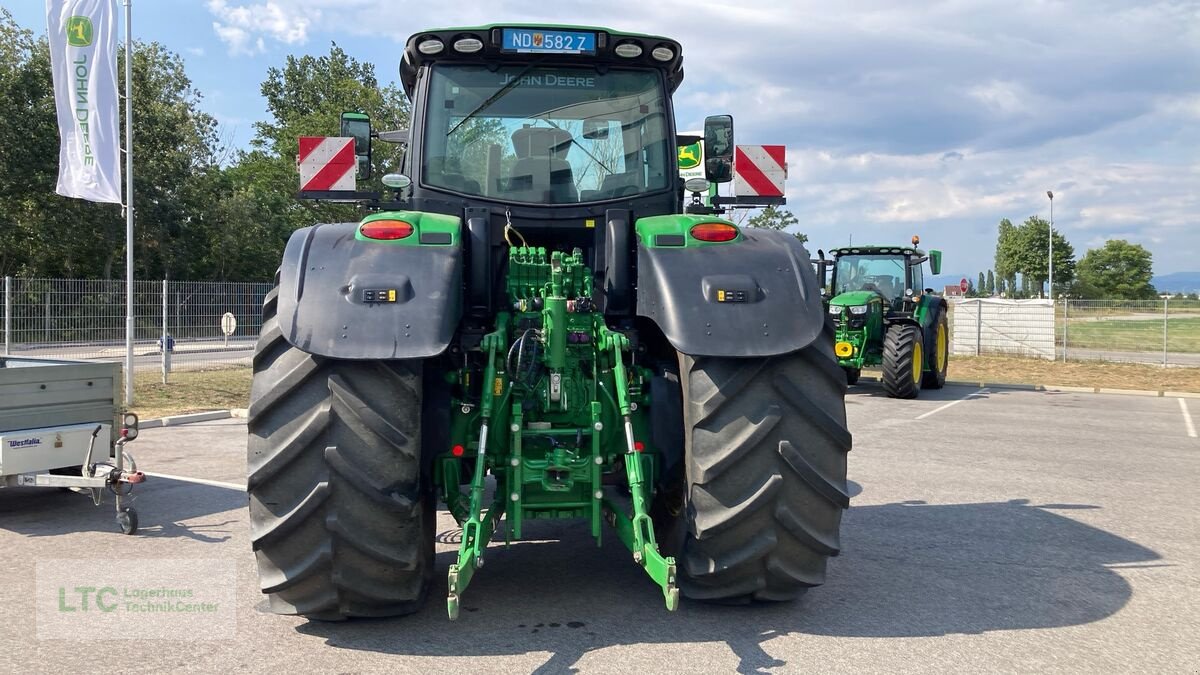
x: 127, y: 520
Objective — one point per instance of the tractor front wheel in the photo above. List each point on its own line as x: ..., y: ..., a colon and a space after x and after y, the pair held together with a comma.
x: 765, y: 486
x: 341, y: 517
x: 903, y: 361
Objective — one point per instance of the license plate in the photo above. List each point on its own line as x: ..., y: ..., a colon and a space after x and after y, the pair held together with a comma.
x: 530, y: 41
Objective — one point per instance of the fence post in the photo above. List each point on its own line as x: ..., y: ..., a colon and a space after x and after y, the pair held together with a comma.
x: 978, y: 327
x: 7, y: 315
x: 1066, y: 323
x: 1165, y: 301
x: 164, y: 341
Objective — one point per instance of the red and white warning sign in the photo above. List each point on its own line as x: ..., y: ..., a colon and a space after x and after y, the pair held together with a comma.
x: 326, y: 163
x: 759, y: 170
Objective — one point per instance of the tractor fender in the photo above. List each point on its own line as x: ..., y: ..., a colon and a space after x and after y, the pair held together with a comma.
x: 754, y: 297
x: 929, y: 333
x: 323, y: 302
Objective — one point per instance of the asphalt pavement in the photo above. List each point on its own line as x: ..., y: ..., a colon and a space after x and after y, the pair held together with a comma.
x: 990, y: 530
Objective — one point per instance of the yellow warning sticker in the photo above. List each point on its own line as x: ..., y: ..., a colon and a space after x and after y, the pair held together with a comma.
x: 720, y: 296
x: 498, y: 387
x: 392, y: 295
x: 590, y: 222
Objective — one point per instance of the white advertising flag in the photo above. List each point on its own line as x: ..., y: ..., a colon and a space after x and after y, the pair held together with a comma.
x: 83, y: 49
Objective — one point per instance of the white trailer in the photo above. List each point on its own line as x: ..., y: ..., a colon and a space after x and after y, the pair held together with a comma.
x: 61, y: 426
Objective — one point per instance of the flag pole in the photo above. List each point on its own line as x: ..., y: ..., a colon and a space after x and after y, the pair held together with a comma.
x: 129, y: 324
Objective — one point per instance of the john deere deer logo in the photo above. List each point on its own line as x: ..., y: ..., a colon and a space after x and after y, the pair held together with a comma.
x: 689, y: 156
x: 79, y: 31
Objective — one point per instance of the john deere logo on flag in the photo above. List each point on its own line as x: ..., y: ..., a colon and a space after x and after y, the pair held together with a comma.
x: 79, y: 31
x: 689, y: 156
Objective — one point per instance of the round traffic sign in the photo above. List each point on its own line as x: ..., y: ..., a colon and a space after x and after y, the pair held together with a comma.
x: 228, y: 323
x: 963, y: 285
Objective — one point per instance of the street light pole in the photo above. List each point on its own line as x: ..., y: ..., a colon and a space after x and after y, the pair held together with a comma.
x: 1050, y: 274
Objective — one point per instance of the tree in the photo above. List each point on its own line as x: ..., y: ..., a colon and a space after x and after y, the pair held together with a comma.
x: 1005, y: 247
x: 43, y: 234
x: 991, y: 283
x: 1024, y: 250
x: 981, y: 286
x: 1001, y: 288
x: 306, y: 97
x: 774, y: 218
x: 1117, y: 270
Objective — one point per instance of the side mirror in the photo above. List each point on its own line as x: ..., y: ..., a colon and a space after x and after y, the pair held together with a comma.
x: 595, y: 130
x: 718, y: 148
x: 935, y: 261
x: 358, y: 126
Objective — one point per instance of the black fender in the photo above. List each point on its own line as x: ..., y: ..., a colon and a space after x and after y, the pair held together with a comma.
x: 755, y: 297
x: 322, y: 309
x: 929, y: 333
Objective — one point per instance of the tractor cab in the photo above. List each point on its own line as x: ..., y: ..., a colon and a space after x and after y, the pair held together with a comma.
x: 887, y: 274
x: 552, y: 127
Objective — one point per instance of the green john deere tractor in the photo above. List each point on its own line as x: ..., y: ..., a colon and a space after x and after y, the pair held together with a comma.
x: 534, y: 321
x: 885, y: 317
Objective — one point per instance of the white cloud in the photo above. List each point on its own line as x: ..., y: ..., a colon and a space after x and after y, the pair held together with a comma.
x: 237, y: 25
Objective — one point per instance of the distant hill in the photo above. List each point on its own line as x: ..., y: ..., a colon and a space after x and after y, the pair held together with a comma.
x: 1177, y: 282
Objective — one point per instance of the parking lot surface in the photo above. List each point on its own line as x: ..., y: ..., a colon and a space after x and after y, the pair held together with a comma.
x: 990, y: 530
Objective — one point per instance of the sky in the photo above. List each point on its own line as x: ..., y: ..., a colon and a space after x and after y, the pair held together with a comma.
x: 932, y: 118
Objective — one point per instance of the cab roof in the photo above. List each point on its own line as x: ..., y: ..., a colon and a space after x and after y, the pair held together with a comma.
x: 874, y: 249
x: 492, y: 37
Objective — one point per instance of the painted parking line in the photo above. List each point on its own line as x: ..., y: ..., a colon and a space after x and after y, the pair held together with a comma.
x: 198, y: 481
x: 952, y: 403
x: 1187, y: 417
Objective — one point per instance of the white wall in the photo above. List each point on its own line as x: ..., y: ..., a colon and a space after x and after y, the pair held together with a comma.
x: 1009, y: 327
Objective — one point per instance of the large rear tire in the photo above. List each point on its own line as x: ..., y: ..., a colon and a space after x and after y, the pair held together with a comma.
x: 903, y: 361
x: 341, y: 515
x: 939, y: 351
x: 765, y: 444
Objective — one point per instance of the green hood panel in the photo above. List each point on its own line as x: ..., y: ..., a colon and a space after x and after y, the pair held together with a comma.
x: 854, y: 298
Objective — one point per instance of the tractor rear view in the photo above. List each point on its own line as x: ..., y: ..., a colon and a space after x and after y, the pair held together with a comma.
x: 533, y: 323
x: 886, y: 318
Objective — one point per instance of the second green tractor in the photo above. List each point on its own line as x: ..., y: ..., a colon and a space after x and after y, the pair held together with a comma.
x: 885, y: 317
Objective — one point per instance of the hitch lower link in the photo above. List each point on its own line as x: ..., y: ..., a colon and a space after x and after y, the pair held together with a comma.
x: 636, y: 531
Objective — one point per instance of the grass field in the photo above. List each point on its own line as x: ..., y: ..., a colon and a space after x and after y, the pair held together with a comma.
x: 190, y: 391
x: 1183, y: 334
x: 1106, y: 375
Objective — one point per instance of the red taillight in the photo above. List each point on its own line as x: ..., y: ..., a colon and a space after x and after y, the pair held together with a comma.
x: 714, y: 232
x: 388, y: 230
x: 457, y: 451
x: 639, y: 446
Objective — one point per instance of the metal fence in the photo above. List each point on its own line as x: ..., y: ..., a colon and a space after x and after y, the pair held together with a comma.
x: 85, y: 319
x: 1165, y: 331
